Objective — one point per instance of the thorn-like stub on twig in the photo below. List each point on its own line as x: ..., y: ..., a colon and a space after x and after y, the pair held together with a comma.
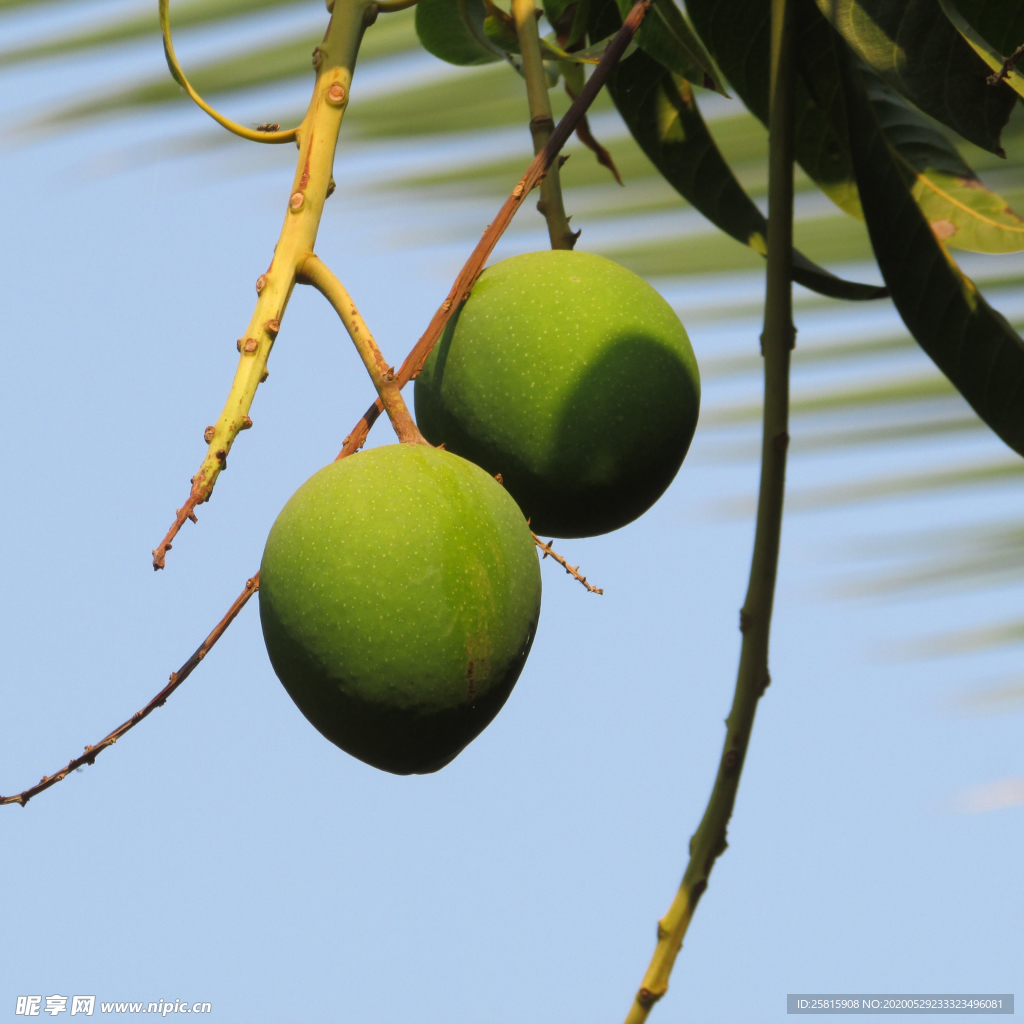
x: 264, y: 375
x: 336, y: 93
x: 1008, y: 65
x: 765, y: 684
x: 745, y: 621
x: 238, y: 344
x: 296, y: 202
x: 647, y: 998
x: 272, y: 327
x: 662, y: 932
x: 572, y: 570
x: 250, y: 346
x: 317, y: 57
x: 562, y: 159
x: 246, y: 424
x: 209, y: 433
x: 331, y: 186
x: 261, y: 283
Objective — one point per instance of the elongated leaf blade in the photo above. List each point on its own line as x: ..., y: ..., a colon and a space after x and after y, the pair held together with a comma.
x: 985, y: 50
x: 669, y: 38
x: 967, y: 214
x: 973, y: 345
x: 1001, y: 22
x: 660, y: 110
x: 913, y: 46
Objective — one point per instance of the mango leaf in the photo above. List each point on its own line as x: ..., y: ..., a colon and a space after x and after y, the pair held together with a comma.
x: 988, y: 53
x: 970, y: 342
x: 915, y: 48
x: 660, y: 110
x: 587, y: 55
x: 454, y: 31
x: 1001, y: 22
x: 737, y: 35
x: 961, y: 210
x: 668, y: 37
x: 965, y: 212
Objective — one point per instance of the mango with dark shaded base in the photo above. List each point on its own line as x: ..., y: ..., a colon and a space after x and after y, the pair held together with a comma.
x: 399, y: 596
x: 572, y: 378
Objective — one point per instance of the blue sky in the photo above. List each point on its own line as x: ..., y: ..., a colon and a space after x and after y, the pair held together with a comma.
x: 225, y: 852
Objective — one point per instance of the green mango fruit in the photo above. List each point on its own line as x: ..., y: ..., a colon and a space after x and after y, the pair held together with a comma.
x: 572, y: 378
x: 399, y: 596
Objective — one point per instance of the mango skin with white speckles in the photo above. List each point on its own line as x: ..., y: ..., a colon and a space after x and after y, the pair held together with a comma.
x: 399, y: 596
x: 575, y: 380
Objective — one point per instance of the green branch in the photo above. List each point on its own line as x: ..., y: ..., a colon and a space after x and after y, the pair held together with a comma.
x: 542, y: 123
x: 317, y: 138
x: 316, y: 273
x: 709, y: 841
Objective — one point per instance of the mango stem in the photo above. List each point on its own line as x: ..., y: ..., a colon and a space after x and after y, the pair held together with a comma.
x: 316, y: 273
x: 317, y: 138
x: 542, y: 123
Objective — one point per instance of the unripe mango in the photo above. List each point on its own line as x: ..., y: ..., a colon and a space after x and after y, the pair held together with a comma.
x: 572, y: 378
x: 399, y: 596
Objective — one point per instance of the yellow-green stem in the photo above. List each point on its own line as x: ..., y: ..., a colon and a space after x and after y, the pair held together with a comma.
x: 542, y: 123
x: 709, y: 841
x: 317, y: 139
x: 315, y: 272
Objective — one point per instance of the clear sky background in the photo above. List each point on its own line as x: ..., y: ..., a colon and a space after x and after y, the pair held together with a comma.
x: 225, y: 852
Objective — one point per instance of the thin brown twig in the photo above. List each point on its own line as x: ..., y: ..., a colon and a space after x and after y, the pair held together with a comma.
x: 475, y: 264
x: 1008, y: 65
x: 177, y: 678
x: 586, y: 136
x: 572, y: 570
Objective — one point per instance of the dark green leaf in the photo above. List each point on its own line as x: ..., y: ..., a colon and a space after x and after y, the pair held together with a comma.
x: 1001, y: 22
x: 970, y: 342
x: 454, y: 31
x: 668, y: 37
x: 660, y: 110
x: 737, y: 34
x: 982, y: 47
x: 913, y: 46
x: 967, y: 214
